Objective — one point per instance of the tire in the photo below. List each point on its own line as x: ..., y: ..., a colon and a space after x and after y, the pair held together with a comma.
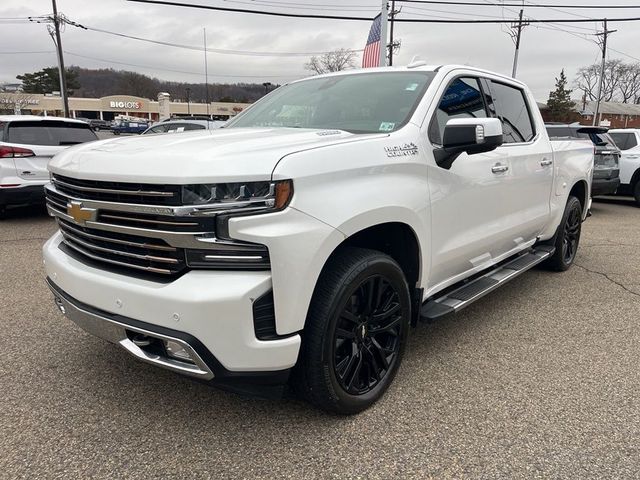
x: 636, y: 193
x: 349, y: 357
x: 567, y: 237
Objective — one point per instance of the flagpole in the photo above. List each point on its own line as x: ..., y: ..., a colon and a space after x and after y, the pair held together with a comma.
x: 384, y: 18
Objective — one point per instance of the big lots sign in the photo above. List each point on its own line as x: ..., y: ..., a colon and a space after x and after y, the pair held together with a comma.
x: 128, y: 105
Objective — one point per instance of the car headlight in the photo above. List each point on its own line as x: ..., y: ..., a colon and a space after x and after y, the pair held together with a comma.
x: 225, y: 201
x: 243, y: 195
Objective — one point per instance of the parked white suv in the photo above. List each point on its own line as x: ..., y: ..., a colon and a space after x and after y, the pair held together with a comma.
x: 27, y: 143
x: 307, y: 235
x: 628, y: 141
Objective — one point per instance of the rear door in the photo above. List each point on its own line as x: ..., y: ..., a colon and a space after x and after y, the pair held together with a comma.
x: 44, y: 138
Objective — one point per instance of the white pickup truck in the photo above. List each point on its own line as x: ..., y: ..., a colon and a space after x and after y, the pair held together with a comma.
x: 300, y: 242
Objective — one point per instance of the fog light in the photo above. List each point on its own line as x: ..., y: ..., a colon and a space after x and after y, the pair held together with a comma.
x: 177, y: 351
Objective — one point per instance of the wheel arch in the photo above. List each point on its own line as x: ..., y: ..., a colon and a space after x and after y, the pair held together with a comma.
x: 580, y: 190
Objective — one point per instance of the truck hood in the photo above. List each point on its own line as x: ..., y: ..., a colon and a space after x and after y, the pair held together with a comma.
x: 236, y: 154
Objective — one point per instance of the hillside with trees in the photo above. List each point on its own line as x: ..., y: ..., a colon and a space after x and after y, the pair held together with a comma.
x: 102, y: 82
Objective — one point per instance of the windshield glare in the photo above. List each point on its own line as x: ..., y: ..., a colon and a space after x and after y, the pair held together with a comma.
x: 357, y: 103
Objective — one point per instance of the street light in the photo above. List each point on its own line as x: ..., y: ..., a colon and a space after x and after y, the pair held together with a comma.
x: 266, y: 86
x: 188, y: 99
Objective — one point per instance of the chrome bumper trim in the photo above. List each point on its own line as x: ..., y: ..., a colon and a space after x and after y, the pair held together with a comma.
x: 115, y: 332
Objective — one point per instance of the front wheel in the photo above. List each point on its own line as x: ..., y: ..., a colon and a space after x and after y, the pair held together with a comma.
x: 636, y: 193
x: 356, y: 331
x: 567, y: 237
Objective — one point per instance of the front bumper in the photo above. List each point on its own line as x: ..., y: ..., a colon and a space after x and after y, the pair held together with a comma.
x: 211, y: 311
x: 23, y: 195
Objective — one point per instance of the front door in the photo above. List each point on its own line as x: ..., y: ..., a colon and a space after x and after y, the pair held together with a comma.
x: 471, y: 208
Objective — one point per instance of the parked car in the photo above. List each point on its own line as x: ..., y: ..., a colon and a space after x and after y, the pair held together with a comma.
x: 629, y: 142
x: 606, y: 173
x: 96, y: 123
x: 127, y: 126
x: 300, y: 242
x: 177, y: 126
x: 27, y: 143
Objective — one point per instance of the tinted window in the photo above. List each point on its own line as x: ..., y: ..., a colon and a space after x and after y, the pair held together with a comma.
x: 49, y: 133
x: 599, y: 139
x: 358, y: 103
x: 513, y: 111
x: 462, y: 99
x: 183, y: 127
x: 157, y: 129
x: 625, y: 141
x: 560, y: 132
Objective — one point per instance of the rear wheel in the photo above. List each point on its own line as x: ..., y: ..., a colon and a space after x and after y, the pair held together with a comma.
x: 567, y: 237
x: 356, y: 332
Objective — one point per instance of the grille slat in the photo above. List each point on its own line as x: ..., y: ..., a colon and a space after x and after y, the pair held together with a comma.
x: 121, y: 192
x: 123, y: 250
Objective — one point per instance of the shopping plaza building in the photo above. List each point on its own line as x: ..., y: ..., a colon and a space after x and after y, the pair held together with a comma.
x: 108, y: 108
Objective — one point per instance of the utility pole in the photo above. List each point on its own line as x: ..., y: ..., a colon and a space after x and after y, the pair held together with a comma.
x: 188, y: 90
x: 393, y: 45
x: 61, y: 70
x: 206, y: 71
x: 517, y: 35
x: 603, y: 44
x: 384, y: 19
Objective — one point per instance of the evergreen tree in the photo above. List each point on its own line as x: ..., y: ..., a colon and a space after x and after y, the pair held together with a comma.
x: 560, y: 104
x: 47, y: 80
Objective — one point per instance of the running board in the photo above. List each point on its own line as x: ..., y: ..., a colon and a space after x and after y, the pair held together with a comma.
x: 465, y: 295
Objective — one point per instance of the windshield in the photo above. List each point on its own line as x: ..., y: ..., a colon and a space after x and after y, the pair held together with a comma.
x: 357, y: 103
x: 49, y: 133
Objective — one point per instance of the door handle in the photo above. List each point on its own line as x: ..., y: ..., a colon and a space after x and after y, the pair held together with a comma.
x: 545, y: 162
x: 499, y: 168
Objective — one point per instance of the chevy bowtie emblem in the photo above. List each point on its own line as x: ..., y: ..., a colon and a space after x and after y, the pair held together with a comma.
x: 79, y: 213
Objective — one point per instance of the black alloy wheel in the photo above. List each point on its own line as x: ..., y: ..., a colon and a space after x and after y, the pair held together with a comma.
x: 355, y: 333
x: 367, y: 336
x: 567, y: 237
x: 571, y: 235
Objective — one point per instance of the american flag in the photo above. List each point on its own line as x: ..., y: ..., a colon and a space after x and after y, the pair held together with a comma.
x: 371, y: 57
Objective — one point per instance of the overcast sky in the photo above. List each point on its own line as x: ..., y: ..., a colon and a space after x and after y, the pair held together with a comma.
x: 545, y: 49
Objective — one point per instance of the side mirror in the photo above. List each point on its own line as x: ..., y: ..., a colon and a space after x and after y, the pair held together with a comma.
x: 468, y: 135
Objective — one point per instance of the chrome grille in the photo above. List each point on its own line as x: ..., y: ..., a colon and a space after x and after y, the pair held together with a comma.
x: 140, y: 193
x: 139, y: 253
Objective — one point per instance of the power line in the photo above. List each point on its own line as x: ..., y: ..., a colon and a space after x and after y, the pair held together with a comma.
x: 198, y: 48
x: 534, y: 5
x: 364, y: 19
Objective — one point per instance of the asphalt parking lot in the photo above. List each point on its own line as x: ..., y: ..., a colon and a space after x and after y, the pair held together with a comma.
x: 538, y: 379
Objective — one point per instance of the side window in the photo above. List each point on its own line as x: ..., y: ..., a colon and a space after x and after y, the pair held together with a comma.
x: 625, y: 141
x: 512, y: 109
x: 462, y: 99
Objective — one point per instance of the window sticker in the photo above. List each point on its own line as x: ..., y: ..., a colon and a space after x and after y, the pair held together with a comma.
x: 386, y: 126
x: 411, y: 87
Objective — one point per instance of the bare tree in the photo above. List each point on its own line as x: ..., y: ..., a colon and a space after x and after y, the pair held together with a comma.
x: 587, y: 81
x: 621, y: 81
x: 630, y: 83
x: 335, y: 61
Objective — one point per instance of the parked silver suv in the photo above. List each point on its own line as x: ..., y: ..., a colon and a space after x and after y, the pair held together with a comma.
x: 27, y: 143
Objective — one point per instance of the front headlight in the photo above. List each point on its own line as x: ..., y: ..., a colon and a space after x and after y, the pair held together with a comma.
x: 239, y: 195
